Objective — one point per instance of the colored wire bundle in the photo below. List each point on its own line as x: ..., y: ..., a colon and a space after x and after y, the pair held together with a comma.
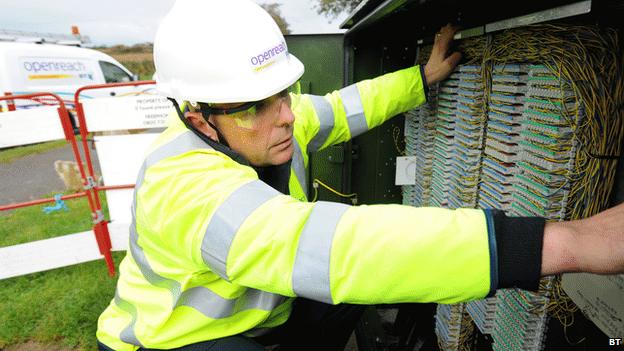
x: 580, y: 75
x: 587, y: 58
x: 574, y: 125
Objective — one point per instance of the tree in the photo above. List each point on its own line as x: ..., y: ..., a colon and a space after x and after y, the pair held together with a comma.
x: 332, y: 8
x: 274, y: 10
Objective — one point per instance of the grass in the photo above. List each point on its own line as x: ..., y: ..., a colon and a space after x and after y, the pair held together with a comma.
x: 30, y: 223
x: 58, y: 307
x: 137, y: 58
x: 10, y: 155
x: 145, y: 69
x: 133, y: 57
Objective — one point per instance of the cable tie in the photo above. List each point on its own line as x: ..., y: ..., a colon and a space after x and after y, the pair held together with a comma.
x: 90, y: 184
x: 98, y: 217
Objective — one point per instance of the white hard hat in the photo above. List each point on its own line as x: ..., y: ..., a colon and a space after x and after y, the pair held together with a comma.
x: 222, y: 51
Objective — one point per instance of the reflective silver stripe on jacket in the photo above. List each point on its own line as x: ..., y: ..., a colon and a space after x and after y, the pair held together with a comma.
x: 226, y: 221
x: 127, y: 335
x: 200, y: 298
x: 354, y: 110
x: 310, y: 277
x: 298, y: 167
x: 217, y: 307
x: 325, y: 114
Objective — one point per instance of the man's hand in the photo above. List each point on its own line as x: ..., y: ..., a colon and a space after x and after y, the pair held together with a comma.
x: 440, y: 63
x: 592, y: 245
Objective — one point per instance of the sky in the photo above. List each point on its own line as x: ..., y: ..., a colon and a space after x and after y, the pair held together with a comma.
x: 110, y: 22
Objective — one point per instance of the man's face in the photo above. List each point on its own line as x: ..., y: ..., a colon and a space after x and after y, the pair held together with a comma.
x: 264, y: 136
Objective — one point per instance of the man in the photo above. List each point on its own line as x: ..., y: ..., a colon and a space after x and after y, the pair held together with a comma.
x: 223, y: 237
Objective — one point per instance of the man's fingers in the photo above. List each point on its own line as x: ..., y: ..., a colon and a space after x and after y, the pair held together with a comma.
x: 442, y: 43
x: 439, y: 66
x: 449, y: 30
x: 453, y: 60
x: 444, y: 37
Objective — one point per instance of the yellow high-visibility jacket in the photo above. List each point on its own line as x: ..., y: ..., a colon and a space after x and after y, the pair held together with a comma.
x: 215, y: 252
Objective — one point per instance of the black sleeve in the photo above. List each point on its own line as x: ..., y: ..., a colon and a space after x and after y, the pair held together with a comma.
x: 423, y: 78
x: 519, y: 242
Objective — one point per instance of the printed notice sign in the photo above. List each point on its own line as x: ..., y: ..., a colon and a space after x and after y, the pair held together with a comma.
x: 129, y: 112
x: 601, y: 298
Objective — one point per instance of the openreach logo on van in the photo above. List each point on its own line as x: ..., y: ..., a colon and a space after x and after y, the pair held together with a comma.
x: 41, y: 68
x: 269, y: 57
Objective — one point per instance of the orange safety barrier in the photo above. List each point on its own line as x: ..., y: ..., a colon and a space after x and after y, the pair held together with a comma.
x: 90, y: 192
x: 101, y: 227
x: 83, y: 122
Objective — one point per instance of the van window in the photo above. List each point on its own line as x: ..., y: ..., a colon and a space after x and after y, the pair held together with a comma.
x: 114, y: 74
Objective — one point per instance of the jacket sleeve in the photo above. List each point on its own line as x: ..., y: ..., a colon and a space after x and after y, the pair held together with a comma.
x: 253, y: 236
x: 344, y: 114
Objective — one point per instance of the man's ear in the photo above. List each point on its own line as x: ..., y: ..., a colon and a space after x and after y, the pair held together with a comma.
x: 197, y: 120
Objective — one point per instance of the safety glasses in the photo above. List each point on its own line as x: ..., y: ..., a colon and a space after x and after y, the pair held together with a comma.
x: 254, y: 107
x: 249, y: 114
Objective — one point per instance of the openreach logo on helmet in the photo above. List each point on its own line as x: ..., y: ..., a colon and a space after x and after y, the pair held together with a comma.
x: 268, y: 57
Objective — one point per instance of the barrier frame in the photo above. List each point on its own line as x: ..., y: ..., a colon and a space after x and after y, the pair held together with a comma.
x: 87, y: 174
x: 101, y: 236
x: 100, y: 227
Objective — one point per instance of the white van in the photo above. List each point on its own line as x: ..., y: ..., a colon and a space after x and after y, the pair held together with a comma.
x: 59, y: 69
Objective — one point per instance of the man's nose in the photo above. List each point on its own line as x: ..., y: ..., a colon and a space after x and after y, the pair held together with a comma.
x: 286, y: 116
